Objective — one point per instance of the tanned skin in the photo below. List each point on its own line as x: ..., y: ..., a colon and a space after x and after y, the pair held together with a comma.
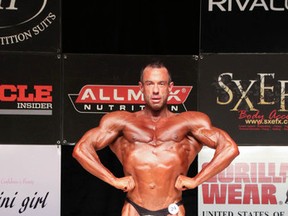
x: 155, y: 147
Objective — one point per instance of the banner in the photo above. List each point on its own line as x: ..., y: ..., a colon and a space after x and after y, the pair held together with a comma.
x: 254, y: 184
x: 30, y: 25
x: 246, y: 26
x: 246, y: 95
x: 30, y: 180
x: 98, y: 84
x: 30, y: 98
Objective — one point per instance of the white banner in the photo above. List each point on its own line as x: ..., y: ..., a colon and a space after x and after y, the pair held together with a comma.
x: 255, y: 184
x: 30, y: 180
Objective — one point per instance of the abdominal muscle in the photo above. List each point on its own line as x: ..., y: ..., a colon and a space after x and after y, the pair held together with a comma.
x: 155, y: 170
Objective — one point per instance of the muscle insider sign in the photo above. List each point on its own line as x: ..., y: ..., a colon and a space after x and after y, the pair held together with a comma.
x: 107, y: 98
x: 25, y: 100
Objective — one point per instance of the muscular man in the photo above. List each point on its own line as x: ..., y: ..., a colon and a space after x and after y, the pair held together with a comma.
x: 156, y: 148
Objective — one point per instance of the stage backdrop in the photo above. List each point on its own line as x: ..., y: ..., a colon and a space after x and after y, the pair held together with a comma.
x: 246, y: 26
x: 98, y: 84
x: 30, y: 25
x: 246, y: 94
x: 30, y: 98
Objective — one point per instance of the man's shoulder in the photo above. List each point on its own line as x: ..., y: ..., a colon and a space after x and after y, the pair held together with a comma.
x: 116, y: 118
x: 194, y: 114
x: 120, y: 114
x: 195, y: 117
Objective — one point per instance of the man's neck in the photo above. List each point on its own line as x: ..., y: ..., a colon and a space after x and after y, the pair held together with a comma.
x: 157, y: 114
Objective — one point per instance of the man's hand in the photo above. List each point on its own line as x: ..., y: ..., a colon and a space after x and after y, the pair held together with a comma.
x: 183, y: 183
x: 125, y: 184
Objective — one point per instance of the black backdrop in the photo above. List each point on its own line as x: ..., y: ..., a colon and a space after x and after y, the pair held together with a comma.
x: 173, y: 27
x: 131, y: 27
x: 122, y: 27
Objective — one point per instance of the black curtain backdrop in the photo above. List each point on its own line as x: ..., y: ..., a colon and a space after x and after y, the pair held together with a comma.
x: 122, y: 27
x: 131, y: 27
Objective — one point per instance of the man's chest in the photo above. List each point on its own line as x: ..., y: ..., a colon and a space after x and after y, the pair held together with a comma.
x: 161, y: 155
x: 160, y: 147
x: 154, y: 133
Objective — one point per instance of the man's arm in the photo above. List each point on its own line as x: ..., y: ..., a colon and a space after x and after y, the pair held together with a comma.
x: 85, y: 150
x: 226, y: 150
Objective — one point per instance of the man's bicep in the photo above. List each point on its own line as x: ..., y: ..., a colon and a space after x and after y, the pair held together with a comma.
x: 203, y: 130
x: 216, y: 138
x: 101, y: 137
x: 110, y: 127
x: 208, y: 136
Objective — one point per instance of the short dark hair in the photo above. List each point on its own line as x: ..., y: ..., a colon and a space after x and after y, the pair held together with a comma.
x: 155, y: 64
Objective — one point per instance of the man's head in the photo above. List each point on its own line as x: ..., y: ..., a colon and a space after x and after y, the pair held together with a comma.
x: 155, y: 83
x: 156, y: 64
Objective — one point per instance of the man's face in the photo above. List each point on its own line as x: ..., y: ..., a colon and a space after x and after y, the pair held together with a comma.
x: 156, y: 87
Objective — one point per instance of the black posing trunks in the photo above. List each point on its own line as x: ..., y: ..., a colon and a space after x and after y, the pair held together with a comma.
x: 145, y: 212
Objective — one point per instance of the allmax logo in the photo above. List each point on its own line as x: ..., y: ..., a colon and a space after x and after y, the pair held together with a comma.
x: 125, y: 94
x: 107, y: 98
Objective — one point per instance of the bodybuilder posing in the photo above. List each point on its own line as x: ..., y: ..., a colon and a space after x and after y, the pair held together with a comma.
x: 156, y: 148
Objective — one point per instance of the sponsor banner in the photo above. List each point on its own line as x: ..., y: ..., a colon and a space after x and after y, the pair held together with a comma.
x: 246, y: 95
x: 29, y: 98
x: 241, y: 26
x: 104, y: 98
x: 253, y: 184
x: 30, y: 180
x: 30, y: 26
x: 98, y: 84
